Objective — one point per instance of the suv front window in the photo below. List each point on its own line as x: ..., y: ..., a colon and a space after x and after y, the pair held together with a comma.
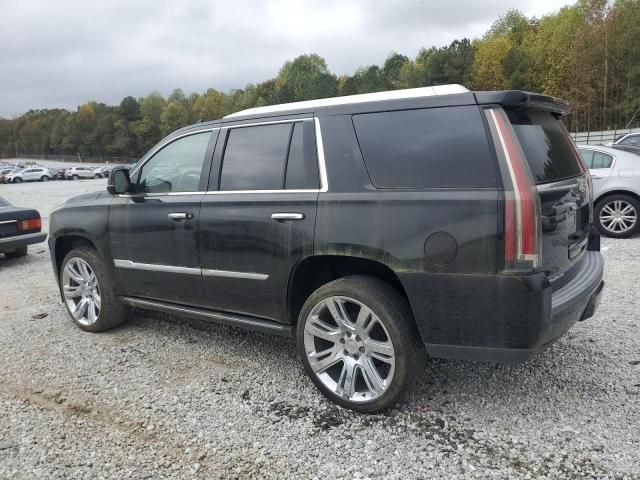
x: 177, y: 167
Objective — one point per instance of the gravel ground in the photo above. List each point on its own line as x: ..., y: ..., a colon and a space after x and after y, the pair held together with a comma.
x: 166, y: 398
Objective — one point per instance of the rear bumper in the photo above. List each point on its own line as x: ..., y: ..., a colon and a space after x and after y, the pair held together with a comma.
x: 10, y: 243
x: 500, y: 318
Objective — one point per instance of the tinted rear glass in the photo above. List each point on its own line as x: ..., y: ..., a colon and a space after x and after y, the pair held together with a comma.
x: 254, y: 158
x: 545, y: 144
x: 302, y: 164
x: 427, y: 148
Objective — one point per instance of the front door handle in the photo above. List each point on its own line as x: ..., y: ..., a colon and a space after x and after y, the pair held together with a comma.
x: 287, y: 216
x: 180, y: 216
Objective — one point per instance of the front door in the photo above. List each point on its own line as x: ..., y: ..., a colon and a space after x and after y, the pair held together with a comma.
x: 153, y: 231
x: 258, y: 220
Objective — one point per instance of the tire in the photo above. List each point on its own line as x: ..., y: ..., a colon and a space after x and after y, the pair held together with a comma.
x: 17, y: 180
x: 75, y: 177
x: 111, y: 311
x: 17, y: 253
x: 389, y: 321
x: 44, y: 178
x: 97, y: 175
x: 619, y: 204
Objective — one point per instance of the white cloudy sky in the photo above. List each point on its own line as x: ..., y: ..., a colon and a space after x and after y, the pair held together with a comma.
x: 65, y: 52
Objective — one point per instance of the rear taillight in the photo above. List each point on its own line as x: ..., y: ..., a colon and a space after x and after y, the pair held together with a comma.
x: 583, y: 167
x: 522, y: 243
x: 33, y: 225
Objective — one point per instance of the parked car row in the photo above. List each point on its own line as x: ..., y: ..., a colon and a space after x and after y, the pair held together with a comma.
x: 36, y: 173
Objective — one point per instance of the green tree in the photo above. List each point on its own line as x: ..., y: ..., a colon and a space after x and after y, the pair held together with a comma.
x: 307, y: 77
x: 174, y: 116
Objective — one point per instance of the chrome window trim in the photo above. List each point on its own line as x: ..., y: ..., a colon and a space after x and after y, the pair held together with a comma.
x: 322, y: 166
x: 5, y: 222
x: 153, y: 267
x: 170, y: 194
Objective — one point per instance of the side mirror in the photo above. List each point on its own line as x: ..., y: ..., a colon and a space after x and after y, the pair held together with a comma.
x: 119, y: 181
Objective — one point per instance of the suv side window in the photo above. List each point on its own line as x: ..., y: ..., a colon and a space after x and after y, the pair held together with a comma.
x: 270, y: 157
x: 426, y: 148
x: 177, y: 167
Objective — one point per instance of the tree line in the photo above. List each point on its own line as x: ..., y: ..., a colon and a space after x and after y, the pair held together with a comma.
x: 587, y: 53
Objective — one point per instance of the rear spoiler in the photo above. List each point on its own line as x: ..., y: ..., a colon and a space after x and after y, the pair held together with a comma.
x: 517, y: 100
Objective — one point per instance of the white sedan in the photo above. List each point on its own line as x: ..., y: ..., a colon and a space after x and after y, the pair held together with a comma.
x: 616, y: 189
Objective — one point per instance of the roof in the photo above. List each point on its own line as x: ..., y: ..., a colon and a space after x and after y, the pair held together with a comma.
x: 350, y: 99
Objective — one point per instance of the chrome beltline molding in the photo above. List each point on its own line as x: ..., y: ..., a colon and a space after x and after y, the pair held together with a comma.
x: 188, y: 270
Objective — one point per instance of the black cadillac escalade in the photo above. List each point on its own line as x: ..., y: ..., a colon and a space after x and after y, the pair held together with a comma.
x: 371, y: 228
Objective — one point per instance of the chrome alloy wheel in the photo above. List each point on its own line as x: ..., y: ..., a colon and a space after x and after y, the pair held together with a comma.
x: 349, y: 349
x: 81, y: 291
x: 618, y: 216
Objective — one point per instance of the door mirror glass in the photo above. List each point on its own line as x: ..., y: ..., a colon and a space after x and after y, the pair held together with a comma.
x: 119, y: 181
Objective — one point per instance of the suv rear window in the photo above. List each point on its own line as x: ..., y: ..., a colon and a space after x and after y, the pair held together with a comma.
x: 426, y: 148
x: 545, y: 144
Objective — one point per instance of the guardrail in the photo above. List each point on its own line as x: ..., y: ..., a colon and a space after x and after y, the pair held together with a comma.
x: 600, y: 138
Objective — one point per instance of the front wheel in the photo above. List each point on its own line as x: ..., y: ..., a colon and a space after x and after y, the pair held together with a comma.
x: 617, y: 216
x: 89, y: 292
x: 358, y: 342
x: 17, y: 180
x: 44, y: 178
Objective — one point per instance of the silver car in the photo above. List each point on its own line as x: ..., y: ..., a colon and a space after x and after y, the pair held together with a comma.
x: 74, y: 173
x: 30, y: 174
x: 616, y: 189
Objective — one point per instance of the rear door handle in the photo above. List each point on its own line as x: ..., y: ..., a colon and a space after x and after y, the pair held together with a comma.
x: 180, y: 216
x: 287, y: 216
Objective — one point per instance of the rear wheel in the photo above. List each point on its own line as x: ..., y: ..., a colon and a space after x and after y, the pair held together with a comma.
x: 358, y: 342
x: 75, y: 177
x: 17, y: 253
x: 617, y: 216
x: 88, y: 291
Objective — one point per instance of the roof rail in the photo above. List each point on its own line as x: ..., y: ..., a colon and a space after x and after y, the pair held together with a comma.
x: 361, y: 98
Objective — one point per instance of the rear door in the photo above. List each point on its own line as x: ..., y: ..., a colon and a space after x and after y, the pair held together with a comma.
x: 258, y: 219
x: 562, y: 185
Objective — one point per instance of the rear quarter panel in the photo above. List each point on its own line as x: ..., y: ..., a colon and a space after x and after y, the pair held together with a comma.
x: 392, y: 227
